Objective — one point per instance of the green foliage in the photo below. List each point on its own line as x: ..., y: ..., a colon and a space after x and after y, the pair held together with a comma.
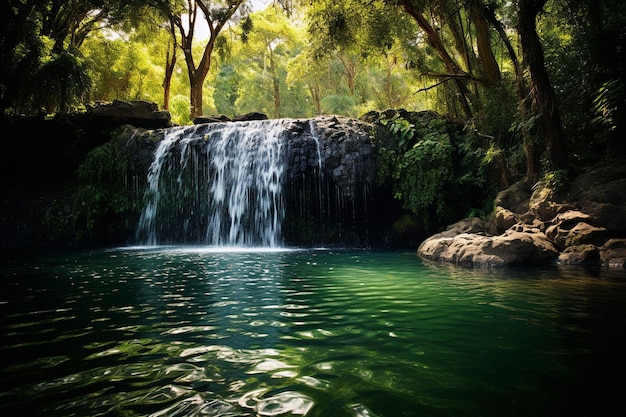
x: 406, y: 224
x: 338, y: 104
x: 102, y: 203
x: 227, y: 89
x: 41, y: 59
x: 476, y: 212
x: 61, y: 83
x: 610, y: 105
x: 433, y: 169
x: 179, y: 108
x: 554, y: 180
x: 399, y: 127
x: 585, y: 48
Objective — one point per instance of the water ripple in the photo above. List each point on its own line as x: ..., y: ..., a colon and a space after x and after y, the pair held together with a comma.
x: 197, y: 333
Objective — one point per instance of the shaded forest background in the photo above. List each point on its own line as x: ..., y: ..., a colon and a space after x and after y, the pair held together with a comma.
x: 538, y: 87
x: 470, y: 60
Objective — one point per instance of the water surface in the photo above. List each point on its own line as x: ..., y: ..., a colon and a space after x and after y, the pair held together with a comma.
x: 186, y: 331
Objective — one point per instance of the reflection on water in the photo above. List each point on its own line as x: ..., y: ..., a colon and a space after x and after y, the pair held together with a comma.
x: 207, y: 332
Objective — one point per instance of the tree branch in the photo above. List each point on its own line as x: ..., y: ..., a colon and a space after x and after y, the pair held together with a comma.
x: 462, y: 75
x: 434, y: 85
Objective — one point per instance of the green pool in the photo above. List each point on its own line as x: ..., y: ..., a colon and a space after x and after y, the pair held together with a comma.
x: 191, y: 331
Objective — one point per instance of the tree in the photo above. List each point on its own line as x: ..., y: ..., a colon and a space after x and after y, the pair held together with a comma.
x: 454, y: 71
x: 124, y: 68
x: 184, y: 17
x: 40, y: 40
x: 544, y: 101
x: 269, y: 44
x: 170, y: 66
x: 587, y: 39
x: 311, y: 72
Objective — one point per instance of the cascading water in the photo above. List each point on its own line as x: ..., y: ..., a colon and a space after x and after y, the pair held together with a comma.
x: 218, y: 184
x: 262, y: 183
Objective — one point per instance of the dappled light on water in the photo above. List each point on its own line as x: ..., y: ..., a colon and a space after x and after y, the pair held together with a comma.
x: 173, y: 331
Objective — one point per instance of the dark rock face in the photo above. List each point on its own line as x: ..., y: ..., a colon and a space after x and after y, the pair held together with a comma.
x: 584, y: 225
x: 329, y: 182
x: 223, y: 118
x: 39, y: 161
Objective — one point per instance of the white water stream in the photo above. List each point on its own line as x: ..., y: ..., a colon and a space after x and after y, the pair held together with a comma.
x: 217, y: 185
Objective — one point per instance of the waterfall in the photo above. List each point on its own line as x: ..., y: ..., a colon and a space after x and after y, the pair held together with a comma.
x: 268, y: 183
x: 218, y: 184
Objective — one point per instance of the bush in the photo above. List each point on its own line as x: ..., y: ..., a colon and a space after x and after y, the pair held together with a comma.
x: 102, y: 203
x: 433, y: 168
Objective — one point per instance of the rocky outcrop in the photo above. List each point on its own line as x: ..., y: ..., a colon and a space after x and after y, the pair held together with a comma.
x: 137, y: 113
x: 477, y: 248
x: 585, y: 224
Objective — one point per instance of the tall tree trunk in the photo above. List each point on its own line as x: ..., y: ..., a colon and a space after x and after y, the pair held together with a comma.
x: 216, y: 22
x: 197, y: 77
x: 544, y: 102
x: 455, y: 24
x: 170, y: 64
x: 195, y: 97
x: 531, y: 151
x: 435, y: 41
x: 167, y: 83
x: 316, y: 94
x: 490, y: 68
x: 275, y: 84
x: 350, y: 69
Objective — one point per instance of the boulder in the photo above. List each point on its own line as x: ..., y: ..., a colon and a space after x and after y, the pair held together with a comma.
x: 613, y: 253
x: 561, y: 225
x: 580, y: 255
x: 584, y: 233
x: 211, y: 119
x: 515, y: 198
x: 249, y: 117
x: 222, y: 118
x: 471, y: 250
x: 500, y: 220
x: 604, y: 183
x: 608, y: 215
x: 470, y: 225
x: 581, y: 224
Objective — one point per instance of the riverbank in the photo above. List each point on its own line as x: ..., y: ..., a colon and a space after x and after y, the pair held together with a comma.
x: 577, y: 222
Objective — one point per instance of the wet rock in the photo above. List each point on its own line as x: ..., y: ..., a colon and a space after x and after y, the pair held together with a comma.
x: 580, y: 255
x: 613, y: 253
